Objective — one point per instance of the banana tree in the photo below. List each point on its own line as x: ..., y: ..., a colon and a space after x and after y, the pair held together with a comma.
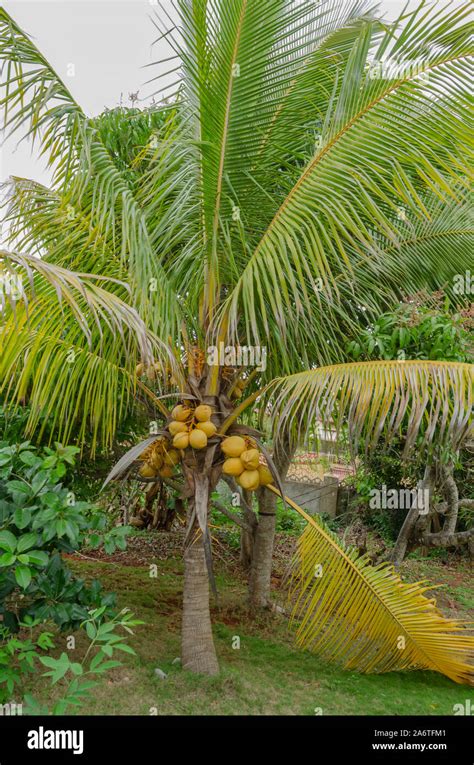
x: 271, y: 208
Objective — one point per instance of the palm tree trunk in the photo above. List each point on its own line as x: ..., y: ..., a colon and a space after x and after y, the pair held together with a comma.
x: 198, y: 653
x: 247, y: 536
x: 261, y: 568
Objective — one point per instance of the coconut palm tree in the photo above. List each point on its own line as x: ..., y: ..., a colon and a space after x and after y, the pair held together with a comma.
x: 273, y: 204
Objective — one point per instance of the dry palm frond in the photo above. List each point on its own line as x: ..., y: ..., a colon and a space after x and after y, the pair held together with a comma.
x: 365, y: 617
x: 425, y: 399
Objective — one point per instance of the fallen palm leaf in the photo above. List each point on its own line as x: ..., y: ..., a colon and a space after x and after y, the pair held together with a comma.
x: 365, y: 617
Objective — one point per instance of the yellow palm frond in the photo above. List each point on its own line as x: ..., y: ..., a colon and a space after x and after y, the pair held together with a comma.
x: 413, y: 397
x: 365, y: 617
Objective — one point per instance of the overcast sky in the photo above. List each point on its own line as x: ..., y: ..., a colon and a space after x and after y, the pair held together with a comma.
x: 99, y: 48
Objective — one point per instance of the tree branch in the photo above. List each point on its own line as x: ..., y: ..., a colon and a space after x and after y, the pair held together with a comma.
x: 232, y: 516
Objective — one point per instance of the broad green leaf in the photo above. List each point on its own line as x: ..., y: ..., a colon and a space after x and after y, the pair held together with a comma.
x: 23, y: 576
x: 7, y: 559
x: 26, y: 541
x: 38, y: 557
x: 7, y: 541
x: 19, y: 490
x: 22, y: 517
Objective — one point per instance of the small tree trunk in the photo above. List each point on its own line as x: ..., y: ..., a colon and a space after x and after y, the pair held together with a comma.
x: 450, y: 491
x: 441, y: 539
x: 198, y: 651
x: 261, y: 569
x: 409, y: 524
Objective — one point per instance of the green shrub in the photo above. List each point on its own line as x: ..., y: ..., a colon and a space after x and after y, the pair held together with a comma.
x: 20, y: 657
x: 40, y: 519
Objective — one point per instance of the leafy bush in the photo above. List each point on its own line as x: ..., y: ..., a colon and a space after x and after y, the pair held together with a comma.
x: 40, y: 519
x: 383, y: 465
x: 287, y: 520
x: 21, y: 657
x: 422, y: 328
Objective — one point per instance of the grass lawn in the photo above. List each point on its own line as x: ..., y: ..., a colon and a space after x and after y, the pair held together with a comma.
x: 267, y: 674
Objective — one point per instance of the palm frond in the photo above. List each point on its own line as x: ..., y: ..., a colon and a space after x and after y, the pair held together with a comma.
x: 90, y: 303
x: 240, y: 60
x: 345, y: 201
x: 439, y: 245
x: 101, y: 188
x: 418, y: 399
x: 43, y: 222
x: 69, y: 348
x: 34, y: 98
x: 365, y: 617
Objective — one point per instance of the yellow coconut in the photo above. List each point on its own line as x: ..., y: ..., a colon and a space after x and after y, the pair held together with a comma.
x: 249, y: 480
x: 197, y: 439
x: 180, y: 413
x: 151, y: 372
x: 166, y: 471
x: 250, y: 458
x: 156, y: 459
x: 177, y: 427
x: 146, y: 471
x: 233, y: 466
x: 181, y: 441
x: 203, y: 413
x: 171, y: 458
x: 207, y: 427
x: 233, y: 446
x: 265, y: 475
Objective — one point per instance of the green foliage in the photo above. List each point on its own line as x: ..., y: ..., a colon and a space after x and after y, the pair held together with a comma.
x: 287, y: 520
x: 382, y: 467
x: 19, y: 656
x: 127, y: 133
x: 424, y: 327
x: 417, y: 330
x: 22, y: 656
x: 40, y: 519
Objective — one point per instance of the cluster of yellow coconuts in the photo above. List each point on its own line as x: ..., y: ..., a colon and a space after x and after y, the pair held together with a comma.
x: 191, y: 427
x: 152, y: 371
x: 158, y: 459
x: 243, y: 462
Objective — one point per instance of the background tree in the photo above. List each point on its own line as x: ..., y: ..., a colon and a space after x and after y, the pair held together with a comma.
x: 427, y: 327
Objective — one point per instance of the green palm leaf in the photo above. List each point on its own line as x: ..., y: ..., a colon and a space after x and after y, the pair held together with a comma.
x: 344, y: 202
x: 35, y: 99
x: 70, y: 348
